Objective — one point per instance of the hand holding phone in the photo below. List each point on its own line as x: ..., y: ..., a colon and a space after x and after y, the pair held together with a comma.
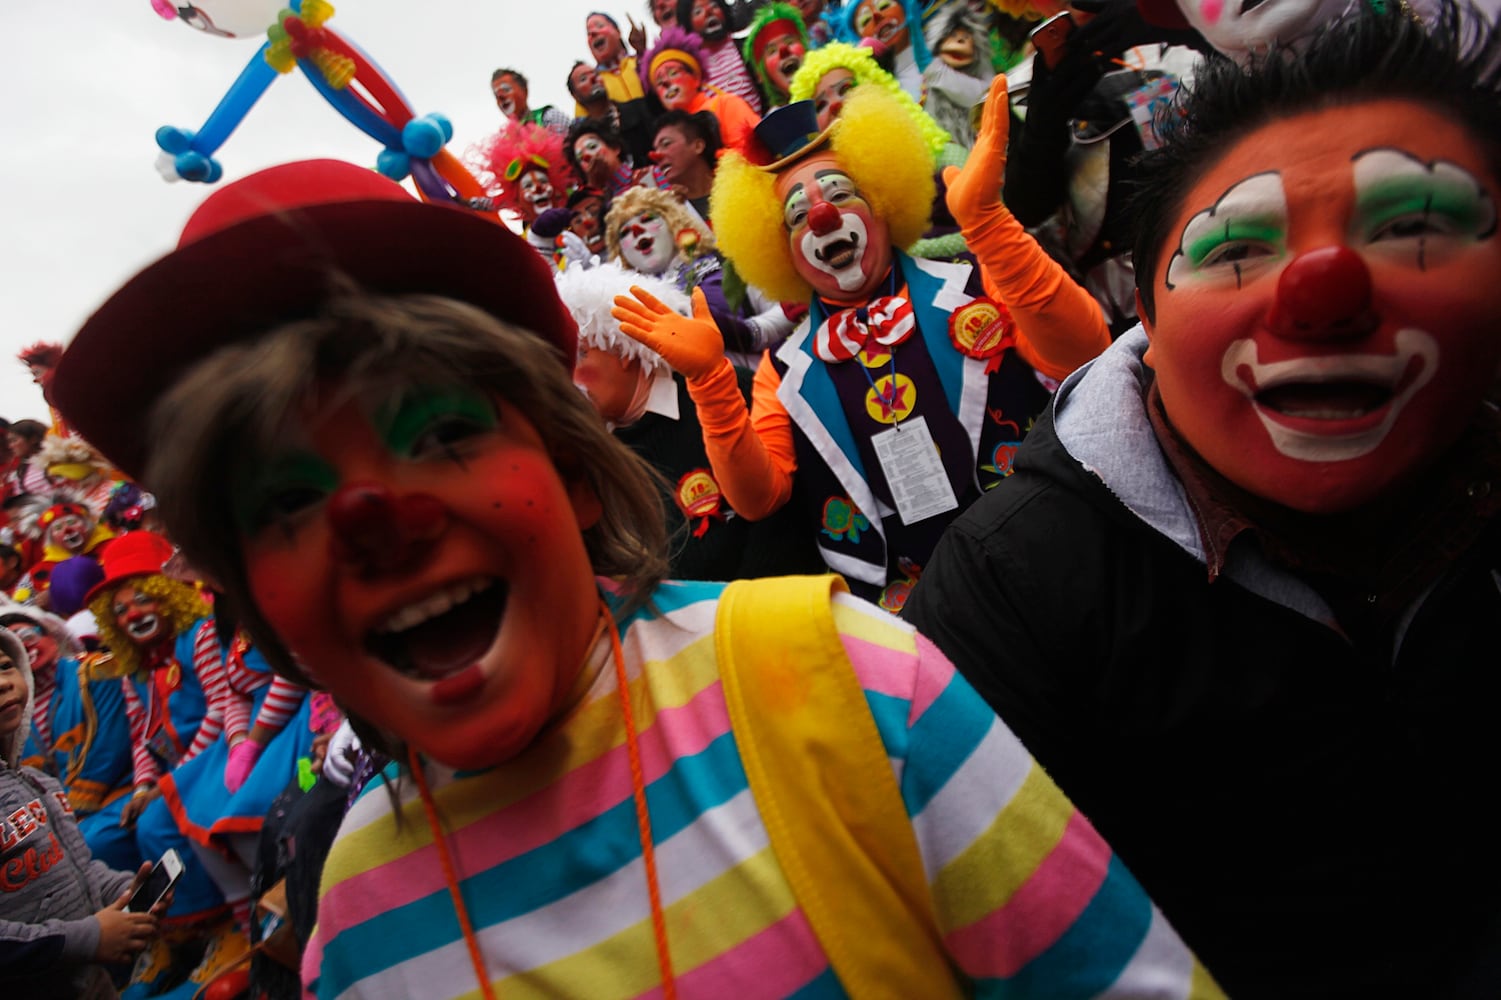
x: 1050, y: 38
x: 164, y: 875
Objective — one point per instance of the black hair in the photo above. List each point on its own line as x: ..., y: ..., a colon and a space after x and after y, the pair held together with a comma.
x: 32, y: 430
x: 591, y: 126
x: 685, y: 15
x: 503, y: 71
x: 599, y: 13
x: 701, y: 125
x: 1451, y: 65
x: 577, y: 63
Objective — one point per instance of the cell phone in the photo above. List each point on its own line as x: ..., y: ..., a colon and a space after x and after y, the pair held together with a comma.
x: 1050, y: 38
x: 164, y: 875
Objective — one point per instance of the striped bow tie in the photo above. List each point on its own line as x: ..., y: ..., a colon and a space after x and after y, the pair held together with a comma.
x: 887, y: 321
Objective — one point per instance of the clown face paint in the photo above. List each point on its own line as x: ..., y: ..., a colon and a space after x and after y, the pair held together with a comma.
x: 645, y: 243
x: 707, y: 20
x: 1239, y: 28
x: 422, y: 557
x: 604, y: 40
x: 510, y: 96
x: 536, y: 193
x: 1325, y: 323
x: 664, y: 12
x: 884, y: 20
x: 596, y: 158
x: 587, y: 223
x: 585, y: 85
x: 838, y: 244
x: 828, y: 96
x: 139, y: 616
x: 781, y: 58
x: 69, y: 532
x: 675, y: 85
x: 41, y: 648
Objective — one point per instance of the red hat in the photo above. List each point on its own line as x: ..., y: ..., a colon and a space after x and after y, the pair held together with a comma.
x: 258, y: 253
x: 135, y: 553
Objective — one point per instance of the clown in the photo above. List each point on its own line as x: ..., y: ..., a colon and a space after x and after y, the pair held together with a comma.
x: 66, y: 527
x: 524, y: 169
x: 1247, y: 570
x: 74, y: 465
x: 674, y: 70
x: 425, y: 507
x: 597, y: 153
x: 652, y: 232
x: 81, y: 729
x: 511, y: 92
x: 897, y: 25
x: 586, y: 218
x: 893, y: 397
x: 711, y: 22
x: 647, y: 407
x: 775, y: 44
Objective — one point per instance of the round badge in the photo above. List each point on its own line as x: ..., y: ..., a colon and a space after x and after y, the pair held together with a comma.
x: 698, y: 496
x: 982, y: 328
x: 891, y: 399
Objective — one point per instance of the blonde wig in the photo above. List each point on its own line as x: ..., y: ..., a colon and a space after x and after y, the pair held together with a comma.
x: 636, y: 200
x: 878, y: 145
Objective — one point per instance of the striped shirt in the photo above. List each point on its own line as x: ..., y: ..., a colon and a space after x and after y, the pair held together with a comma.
x: 1029, y: 900
x: 724, y: 67
x: 208, y: 665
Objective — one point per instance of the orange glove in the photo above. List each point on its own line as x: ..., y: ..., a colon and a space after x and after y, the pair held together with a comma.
x: 974, y: 190
x: 692, y: 346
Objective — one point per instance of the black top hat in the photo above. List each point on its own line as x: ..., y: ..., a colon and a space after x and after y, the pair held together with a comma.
x: 791, y: 132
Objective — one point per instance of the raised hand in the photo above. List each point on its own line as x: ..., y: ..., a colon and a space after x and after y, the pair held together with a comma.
x: 636, y: 39
x: 974, y: 190
x: 691, y: 345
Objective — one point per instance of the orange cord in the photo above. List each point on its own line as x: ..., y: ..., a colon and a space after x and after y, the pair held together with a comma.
x: 643, y: 817
x: 643, y: 827
x: 440, y: 840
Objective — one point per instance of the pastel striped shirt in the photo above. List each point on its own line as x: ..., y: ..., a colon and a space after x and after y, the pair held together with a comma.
x: 1029, y: 900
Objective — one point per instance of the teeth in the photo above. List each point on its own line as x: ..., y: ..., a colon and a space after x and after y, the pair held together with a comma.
x: 143, y: 627
x: 415, y: 614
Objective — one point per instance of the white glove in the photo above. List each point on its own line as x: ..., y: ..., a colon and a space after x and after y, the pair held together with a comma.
x: 338, y: 759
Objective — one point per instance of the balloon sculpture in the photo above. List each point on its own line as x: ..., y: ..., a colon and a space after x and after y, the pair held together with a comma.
x: 298, y: 37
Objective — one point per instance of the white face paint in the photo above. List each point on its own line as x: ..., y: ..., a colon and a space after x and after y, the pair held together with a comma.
x: 645, y: 243
x: 1402, y: 373
x: 1243, y: 233
x: 838, y: 254
x: 536, y: 191
x: 1240, y: 28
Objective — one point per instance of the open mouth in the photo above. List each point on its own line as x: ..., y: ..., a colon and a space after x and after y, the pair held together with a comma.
x: 671, y: 94
x: 143, y: 628
x: 445, y: 634
x: 789, y: 66
x: 888, y: 31
x: 598, y: 43
x: 1250, y: 5
x: 839, y: 254
x: 541, y: 202
x: 507, y: 106
x: 1336, y: 400
x: 644, y: 245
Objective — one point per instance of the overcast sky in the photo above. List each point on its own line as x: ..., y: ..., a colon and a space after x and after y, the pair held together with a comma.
x: 84, y: 207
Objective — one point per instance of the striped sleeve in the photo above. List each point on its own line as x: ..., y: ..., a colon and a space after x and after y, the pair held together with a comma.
x: 143, y: 768
x: 1031, y: 902
x: 208, y: 664
x: 282, y: 702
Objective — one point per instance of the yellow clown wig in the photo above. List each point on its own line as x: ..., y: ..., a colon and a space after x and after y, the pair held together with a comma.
x: 180, y: 604
x: 882, y: 150
x: 636, y: 200
x: 859, y: 61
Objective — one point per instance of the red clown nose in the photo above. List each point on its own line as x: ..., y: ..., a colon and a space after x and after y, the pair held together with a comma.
x: 1324, y: 293
x: 823, y: 218
x: 377, y: 532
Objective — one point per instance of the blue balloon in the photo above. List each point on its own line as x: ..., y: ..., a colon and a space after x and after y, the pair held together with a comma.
x: 170, y: 139
x: 194, y: 166
x: 423, y: 138
x: 393, y: 164
x: 236, y: 102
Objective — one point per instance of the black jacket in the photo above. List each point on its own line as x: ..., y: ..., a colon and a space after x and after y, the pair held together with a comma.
x: 1314, y: 819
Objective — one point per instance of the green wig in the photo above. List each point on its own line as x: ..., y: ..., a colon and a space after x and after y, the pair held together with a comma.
x: 860, y: 62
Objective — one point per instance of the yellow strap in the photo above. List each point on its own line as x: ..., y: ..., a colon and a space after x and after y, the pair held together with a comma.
x: 824, y: 787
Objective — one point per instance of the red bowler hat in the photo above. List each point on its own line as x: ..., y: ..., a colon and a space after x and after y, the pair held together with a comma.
x: 135, y: 553
x: 260, y: 252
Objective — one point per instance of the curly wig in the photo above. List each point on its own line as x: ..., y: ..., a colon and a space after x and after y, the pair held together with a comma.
x: 589, y: 294
x: 180, y: 603
x: 499, y: 161
x: 674, y: 43
x: 883, y: 151
x: 636, y: 200
x: 860, y: 62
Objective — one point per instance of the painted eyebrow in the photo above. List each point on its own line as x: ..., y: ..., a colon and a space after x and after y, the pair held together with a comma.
x: 795, y: 189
